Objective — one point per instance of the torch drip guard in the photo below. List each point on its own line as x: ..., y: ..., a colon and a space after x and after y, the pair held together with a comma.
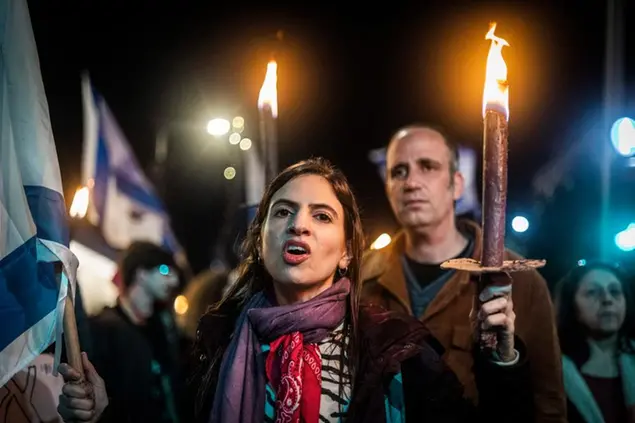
x: 508, y: 266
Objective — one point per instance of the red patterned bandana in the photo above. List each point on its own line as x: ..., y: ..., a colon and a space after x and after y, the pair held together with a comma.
x: 295, y: 373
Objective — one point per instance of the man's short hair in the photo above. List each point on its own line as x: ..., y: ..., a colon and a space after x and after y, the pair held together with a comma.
x: 452, y: 146
x: 142, y: 255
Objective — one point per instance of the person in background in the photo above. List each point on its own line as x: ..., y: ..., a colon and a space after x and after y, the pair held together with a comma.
x: 596, y: 326
x: 289, y: 342
x: 422, y: 184
x: 135, y: 343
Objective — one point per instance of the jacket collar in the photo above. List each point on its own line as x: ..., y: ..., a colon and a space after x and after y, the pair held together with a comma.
x: 393, y: 280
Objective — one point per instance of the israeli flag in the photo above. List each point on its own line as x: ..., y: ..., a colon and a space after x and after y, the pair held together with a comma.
x: 33, y: 225
x: 123, y: 202
x: 468, y: 203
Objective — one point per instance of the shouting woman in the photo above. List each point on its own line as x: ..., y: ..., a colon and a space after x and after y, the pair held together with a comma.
x: 290, y: 341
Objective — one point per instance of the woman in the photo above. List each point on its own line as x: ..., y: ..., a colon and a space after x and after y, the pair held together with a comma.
x: 290, y: 341
x: 596, y: 324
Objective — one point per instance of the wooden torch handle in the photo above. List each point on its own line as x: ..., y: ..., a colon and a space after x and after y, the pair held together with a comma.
x: 71, y: 338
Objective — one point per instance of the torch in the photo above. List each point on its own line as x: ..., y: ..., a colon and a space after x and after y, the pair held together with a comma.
x: 78, y: 210
x: 268, y: 109
x: 493, y: 270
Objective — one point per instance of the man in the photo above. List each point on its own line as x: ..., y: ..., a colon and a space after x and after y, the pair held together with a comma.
x: 135, y: 349
x: 422, y: 184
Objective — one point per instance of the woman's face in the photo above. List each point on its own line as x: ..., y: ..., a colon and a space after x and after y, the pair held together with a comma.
x: 303, y: 238
x: 600, y: 302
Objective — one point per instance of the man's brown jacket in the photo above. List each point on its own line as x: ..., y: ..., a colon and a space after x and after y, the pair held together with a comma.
x: 447, y: 318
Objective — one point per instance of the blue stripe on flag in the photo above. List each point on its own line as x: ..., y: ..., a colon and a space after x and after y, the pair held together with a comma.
x: 49, y: 213
x: 28, y: 291
x: 139, y: 194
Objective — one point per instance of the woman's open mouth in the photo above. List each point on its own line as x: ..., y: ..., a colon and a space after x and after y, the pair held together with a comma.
x: 295, y: 252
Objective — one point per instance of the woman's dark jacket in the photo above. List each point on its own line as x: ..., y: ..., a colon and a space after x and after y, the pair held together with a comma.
x: 390, y: 343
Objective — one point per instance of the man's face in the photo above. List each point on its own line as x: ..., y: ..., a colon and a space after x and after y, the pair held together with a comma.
x: 419, y: 186
x: 159, y: 281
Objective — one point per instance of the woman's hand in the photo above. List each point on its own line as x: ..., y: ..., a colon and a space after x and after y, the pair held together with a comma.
x: 495, y: 320
x: 82, y: 400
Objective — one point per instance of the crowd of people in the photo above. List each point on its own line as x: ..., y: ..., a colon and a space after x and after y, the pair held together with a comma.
x: 317, y: 329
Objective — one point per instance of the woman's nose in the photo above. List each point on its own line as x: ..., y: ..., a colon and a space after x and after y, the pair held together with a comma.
x: 299, y: 225
x: 607, y: 298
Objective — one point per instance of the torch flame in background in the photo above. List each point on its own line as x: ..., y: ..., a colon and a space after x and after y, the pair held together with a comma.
x: 269, y: 92
x: 496, y: 92
x: 79, y: 207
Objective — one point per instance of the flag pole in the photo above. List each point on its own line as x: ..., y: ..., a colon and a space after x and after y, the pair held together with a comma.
x: 71, y: 336
x: 613, y: 101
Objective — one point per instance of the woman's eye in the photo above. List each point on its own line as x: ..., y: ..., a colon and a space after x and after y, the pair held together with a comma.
x: 323, y: 217
x: 616, y: 293
x: 282, y: 213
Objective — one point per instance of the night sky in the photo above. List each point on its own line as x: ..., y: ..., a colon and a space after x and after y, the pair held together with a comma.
x: 348, y: 78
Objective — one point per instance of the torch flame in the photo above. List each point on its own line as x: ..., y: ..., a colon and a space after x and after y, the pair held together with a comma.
x: 79, y: 207
x: 496, y: 92
x: 269, y: 92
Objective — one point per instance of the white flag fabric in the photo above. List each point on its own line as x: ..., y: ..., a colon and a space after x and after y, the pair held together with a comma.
x: 33, y: 225
x: 123, y: 202
x: 254, y: 181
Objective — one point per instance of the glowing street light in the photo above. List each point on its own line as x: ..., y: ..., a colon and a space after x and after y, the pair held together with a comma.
x: 382, y: 241
x: 181, y: 305
x: 623, y: 136
x: 234, y: 138
x: 218, y: 127
x: 238, y: 122
x: 229, y: 173
x: 245, y: 144
x: 520, y: 224
x: 625, y: 240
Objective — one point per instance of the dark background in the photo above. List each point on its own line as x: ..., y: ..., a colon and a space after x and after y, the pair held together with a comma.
x: 348, y: 78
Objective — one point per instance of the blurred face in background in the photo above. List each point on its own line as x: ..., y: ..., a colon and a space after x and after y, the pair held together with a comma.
x: 160, y: 281
x: 600, y: 303
x: 303, y: 237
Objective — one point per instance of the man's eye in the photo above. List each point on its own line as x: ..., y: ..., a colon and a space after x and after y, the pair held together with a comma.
x: 399, y: 172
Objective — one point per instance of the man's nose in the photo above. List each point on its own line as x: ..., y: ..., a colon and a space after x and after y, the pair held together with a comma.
x: 411, y: 182
x: 173, y: 280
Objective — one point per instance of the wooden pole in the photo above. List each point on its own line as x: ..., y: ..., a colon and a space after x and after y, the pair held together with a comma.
x: 494, y: 188
x: 71, y: 337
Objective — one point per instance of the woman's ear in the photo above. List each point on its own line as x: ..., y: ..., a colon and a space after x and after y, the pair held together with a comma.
x: 345, y: 261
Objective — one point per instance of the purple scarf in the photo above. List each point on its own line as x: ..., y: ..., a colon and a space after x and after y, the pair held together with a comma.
x: 240, y: 393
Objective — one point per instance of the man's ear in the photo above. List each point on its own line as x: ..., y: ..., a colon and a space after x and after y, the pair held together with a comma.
x: 458, y: 184
x: 140, y: 276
